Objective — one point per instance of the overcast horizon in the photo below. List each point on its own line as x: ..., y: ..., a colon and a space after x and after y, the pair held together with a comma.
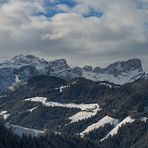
x: 84, y: 32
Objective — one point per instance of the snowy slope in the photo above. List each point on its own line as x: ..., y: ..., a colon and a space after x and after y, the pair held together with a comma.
x: 4, y: 114
x: 114, y: 131
x: 83, y: 107
x: 83, y: 115
x: 121, y: 79
x: 100, y: 123
x: 32, y: 109
x: 22, y: 61
x: 87, y: 110
x: 18, y: 130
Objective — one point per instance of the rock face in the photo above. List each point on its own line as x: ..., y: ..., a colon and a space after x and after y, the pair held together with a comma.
x: 23, y: 67
x: 59, y: 68
x: 124, y: 67
x: 119, y: 72
x: 121, y: 67
x: 88, y: 68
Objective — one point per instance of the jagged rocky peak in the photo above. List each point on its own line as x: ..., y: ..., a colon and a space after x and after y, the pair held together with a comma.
x: 27, y: 66
x: 59, y: 68
x: 121, y: 67
x: 124, y: 66
x: 88, y: 68
x: 58, y: 62
x: 27, y: 59
x: 120, y: 72
x: 98, y: 70
x: 24, y: 60
x: 21, y: 56
x: 22, y: 67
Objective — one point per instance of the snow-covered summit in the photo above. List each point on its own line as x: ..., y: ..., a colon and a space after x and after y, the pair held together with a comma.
x: 22, y: 60
x: 23, y: 67
x: 120, y: 72
x: 124, y: 67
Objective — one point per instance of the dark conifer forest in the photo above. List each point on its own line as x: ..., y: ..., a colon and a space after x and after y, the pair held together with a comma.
x: 129, y: 136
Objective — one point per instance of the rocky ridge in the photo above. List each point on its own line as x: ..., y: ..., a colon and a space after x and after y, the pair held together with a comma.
x: 23, y: 67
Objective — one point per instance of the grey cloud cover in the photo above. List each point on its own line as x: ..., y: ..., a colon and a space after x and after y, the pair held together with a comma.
x: 119, y: 34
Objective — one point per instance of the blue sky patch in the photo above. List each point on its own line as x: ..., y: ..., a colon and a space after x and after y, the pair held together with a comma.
x: 52, y: 9
x: 69, y: 3
x: 49, y: 13
x: 94, y: 13
x: 142, y: 5
x: 146, y: 25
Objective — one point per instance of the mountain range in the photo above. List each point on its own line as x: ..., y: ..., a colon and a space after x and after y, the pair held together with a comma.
x: 23, y: 67
x: 94, y: 107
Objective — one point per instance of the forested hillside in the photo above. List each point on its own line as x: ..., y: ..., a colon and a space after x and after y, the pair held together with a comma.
x: 9, y: 140
x: 81, y: 108
x: 129, y: 136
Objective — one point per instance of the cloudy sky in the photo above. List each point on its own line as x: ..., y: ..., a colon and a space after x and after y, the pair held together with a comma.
x: 95, y: 32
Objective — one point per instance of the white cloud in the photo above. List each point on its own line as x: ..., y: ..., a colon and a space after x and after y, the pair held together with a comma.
x: 119, y: 34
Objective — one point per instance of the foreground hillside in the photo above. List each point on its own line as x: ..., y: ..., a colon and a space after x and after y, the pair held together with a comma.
x: 9, y: 140
x: 130, y: 136
x: 100, y: 111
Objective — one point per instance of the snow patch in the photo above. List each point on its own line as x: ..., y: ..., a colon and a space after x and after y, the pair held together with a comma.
x: 32, y: 109
x: 3, y: 96
x: 144, y: 119
x: 83, y: 107
x: 87, y: 110
x: 105, y: 120
x: 4, y: 114
x: 109, y: 85
x: 37, y: 99
x: 121, y: 79
x: 12, y: 87
x: 82, y: 115
x: 17, y: 79
x: 18, y: 130
x: 114, y: 131
x: 61, y: 88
